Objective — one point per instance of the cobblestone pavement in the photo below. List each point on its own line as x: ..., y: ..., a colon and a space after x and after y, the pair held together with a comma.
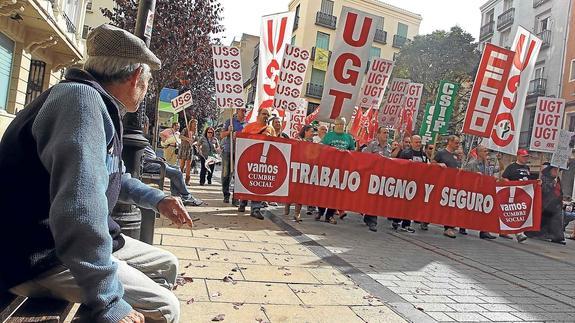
x: 428, y: 277
x: 241, y: 269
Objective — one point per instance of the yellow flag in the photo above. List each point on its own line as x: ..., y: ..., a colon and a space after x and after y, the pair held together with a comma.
x: 321, y: 59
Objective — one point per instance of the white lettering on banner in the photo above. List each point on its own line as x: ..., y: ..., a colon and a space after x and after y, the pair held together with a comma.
x: 291, y: 78
x: 561, y: 156
x: 505, y: 135
x: 392, y: 187
x: 228, y: 77
x: 516, y: 204
x: 355, y: 33
x: 546, y: 125
x: 389, y: 114
x: 375, y: 83
x: 471, y: 201
x: 276, y: 33
x: 488, y: 90
x: 325, y: 176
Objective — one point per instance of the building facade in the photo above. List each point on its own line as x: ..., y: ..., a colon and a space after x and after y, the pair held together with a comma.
x: 568, y: 86
x: 315, y: 29
x: 548, y: 19
x: 94, y: 15
x: 38, y: 39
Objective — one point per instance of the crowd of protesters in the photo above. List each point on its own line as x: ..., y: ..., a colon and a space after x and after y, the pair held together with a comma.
x: 554, y: 218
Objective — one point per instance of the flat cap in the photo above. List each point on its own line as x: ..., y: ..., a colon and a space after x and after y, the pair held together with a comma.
x: 113, y: 42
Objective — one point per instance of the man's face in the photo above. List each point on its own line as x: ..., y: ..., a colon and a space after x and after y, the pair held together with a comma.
x: 522, y: 159
x: 241, y: 114
x: 383, y: 135
x: 430, y: 149
x: 322, y: 131
x: 137, y: 90
x: 406, y: 142
x: 263, y: 116
x: 308, y: 133
x: 416, y: 144
x: 482, y: 153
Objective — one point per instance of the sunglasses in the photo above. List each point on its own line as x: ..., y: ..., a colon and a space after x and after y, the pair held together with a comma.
x: 210, y: 132
x: 430, y: 148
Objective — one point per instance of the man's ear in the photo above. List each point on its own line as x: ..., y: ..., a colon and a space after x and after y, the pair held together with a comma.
x: 136, y: 76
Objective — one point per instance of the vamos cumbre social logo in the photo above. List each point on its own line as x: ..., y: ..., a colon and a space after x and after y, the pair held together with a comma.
x: 262, y: 167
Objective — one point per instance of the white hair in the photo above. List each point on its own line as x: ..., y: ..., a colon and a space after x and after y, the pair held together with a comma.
x: 115, y: 69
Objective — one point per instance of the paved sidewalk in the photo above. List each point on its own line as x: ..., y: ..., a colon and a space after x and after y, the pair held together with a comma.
x: 428, y: 277
x: 247, y: 270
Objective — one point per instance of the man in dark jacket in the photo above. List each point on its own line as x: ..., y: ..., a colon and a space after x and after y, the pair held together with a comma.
x: 68, y: 143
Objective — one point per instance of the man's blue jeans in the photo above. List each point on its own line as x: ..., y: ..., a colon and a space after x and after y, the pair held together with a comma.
x: 177, y: 183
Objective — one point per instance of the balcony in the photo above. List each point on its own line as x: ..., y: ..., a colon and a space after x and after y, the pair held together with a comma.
x: 537, y: 3
x: 69, y: 24
x: 295, y: 22
x: 314, y: 90
x: 545, y: 37
x: 313, y: 55
x: 486, y: 31
x: 325, y: 20
x: 505, y: 20
x: 537, y: 87
x: 380, y: 36
x: 399, y: 41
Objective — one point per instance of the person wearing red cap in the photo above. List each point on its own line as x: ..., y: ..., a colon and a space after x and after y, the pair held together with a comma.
x: 518, y: 171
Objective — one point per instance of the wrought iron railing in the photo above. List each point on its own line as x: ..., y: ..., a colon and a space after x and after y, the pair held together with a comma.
x: 537, y: 87
x: 506, y: 19
x: 380, y: 36
x: 486, y: 31
x: 314, y: 90
x: 325, y: 20
x: 399, y: 41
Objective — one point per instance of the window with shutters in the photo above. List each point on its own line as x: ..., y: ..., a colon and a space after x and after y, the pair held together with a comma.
x: 6, y: 56
x: 327, y: 7
x: 402, y: 29
x: 322, y: 40
x: 374, y: 52
x: 317, y: 76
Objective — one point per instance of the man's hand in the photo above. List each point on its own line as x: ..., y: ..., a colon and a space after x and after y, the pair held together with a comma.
x: 173, y: 209
x: 133, y: 317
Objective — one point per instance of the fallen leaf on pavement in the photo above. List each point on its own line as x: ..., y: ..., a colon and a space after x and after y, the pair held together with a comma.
x: 219, y: 317
x: 188, y: 265
x: 190, y: 301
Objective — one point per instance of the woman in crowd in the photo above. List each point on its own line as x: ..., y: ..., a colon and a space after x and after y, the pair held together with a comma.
x: 186, y: 152
x: 306, y: 134
x: 209, y: 147
x: 170, y: 140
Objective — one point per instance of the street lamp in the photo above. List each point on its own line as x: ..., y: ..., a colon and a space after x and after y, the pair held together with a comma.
x: 129, y: 216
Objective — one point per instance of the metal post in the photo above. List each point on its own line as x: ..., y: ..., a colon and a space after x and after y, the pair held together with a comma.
x: 129, y: 216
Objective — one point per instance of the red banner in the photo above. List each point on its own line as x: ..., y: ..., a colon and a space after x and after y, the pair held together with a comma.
x: 283, y: 170
x: 364, y: 125
x: 488, y: 90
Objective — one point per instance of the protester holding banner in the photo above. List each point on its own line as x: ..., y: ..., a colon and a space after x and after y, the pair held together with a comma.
x: 276, y: 123
x: 518, y: 171
x: 481, y: 165
x: 414, y: 153
x: 260, y: 127
x: 406, y: 144
x: 186, y: 152
x: 342, y: 140
x: 447, y: 158
x: 377, y: 146
x: 228, y: 137
x: 552, y: 207
x: 170, y: 141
